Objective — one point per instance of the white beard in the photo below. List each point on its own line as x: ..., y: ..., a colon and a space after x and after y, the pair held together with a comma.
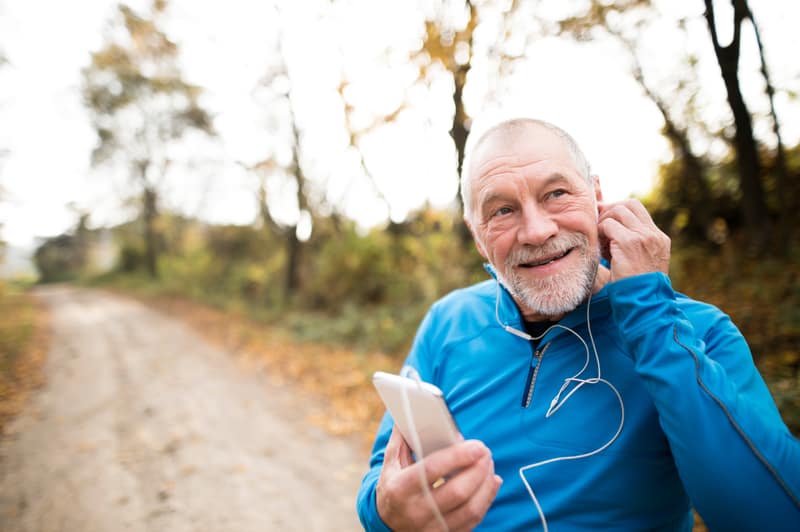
x: 561, y: 293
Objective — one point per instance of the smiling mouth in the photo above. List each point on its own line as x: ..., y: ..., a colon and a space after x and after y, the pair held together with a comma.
x: 546, y: 260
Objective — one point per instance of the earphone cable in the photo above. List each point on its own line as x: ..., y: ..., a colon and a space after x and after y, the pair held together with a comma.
x: 423, y: 477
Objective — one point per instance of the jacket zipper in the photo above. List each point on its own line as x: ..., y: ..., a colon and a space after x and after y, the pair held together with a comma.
x: 533, y: 371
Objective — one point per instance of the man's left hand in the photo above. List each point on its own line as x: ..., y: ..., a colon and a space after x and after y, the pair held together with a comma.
x: 631, y: 241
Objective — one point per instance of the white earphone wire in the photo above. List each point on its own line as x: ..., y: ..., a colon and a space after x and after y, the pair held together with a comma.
x: 557, y: 402
x: 409, y: 371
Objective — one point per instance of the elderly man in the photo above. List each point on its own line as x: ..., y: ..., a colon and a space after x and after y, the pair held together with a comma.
x: 593, y: 396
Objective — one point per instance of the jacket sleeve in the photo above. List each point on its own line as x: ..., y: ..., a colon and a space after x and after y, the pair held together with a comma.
x: 365, y: 502
x: 738, y: 461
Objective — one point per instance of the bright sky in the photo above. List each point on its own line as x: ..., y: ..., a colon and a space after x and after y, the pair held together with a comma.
x: 227, y: 47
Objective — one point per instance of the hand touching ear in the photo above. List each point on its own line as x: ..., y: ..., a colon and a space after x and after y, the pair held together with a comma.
x: 631, y: 241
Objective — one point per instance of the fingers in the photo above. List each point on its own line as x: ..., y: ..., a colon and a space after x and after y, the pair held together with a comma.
x: 454, y: 458
x: 468, y: 492
x: 631, y: 241
x: 614, y: 231
x: 466, y: 496
x: 622, y: 215
x: 626, y: 212
x: 469, y: 514
x: 463, y: 485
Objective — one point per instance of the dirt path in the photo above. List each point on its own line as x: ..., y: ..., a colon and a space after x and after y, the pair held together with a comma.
x: 144, y: 427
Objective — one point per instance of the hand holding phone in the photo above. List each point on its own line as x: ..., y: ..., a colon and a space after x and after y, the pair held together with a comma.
x: 417, y: 408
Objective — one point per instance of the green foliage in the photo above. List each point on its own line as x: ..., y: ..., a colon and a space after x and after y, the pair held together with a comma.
x: 684, y: 212
x: 406, y: 264
x: 131, y: 258
x: 367, y: 290
x: 382, y: 328
x: 674, y: 206
x: 61, y: 258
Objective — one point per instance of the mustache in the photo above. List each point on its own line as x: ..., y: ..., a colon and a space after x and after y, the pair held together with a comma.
x: 557, y: 246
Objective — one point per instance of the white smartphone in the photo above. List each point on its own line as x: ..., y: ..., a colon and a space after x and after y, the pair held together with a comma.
x: 430, y: 416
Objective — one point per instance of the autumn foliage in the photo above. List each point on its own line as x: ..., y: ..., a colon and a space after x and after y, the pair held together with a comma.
x: 353, y: 297
x: 23, y: 346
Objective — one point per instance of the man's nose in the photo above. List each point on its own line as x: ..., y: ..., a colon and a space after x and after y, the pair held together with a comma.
x: 537, y: 226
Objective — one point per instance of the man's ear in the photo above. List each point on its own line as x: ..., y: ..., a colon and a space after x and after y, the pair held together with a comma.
x: 598, y: 192
x: 476, y: 239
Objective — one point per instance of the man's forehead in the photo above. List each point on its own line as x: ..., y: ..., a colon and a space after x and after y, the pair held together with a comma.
x: 516, y: 147
x: 527, y: 137
x: 489, y: 165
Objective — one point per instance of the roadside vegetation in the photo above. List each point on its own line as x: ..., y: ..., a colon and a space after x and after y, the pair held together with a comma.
x: 23, y: 344
x: 364, y: 295
x: 727, y: 195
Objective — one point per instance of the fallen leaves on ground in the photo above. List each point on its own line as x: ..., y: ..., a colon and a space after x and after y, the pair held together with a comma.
x: 23, y: 346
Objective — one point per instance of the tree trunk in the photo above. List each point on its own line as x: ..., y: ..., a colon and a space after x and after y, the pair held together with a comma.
x: 754, y: 207
x: 293, y: 244
x: 293, y: 251
x: 784, y: 230
x: 459, y: 133
x: 459, y: 129
x: 292, y: 283
x: 150, y: 238
x: 288, y: 234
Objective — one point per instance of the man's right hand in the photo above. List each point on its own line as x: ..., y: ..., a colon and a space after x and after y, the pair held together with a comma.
x: 462, y: 500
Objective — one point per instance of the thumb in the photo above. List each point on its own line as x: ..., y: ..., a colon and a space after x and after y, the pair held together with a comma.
x: 397, y: 454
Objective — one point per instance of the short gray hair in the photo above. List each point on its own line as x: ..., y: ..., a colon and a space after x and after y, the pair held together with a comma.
x: 511, y: 128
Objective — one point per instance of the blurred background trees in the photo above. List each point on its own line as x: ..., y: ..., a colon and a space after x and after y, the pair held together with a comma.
x: 276, y: 94
x: 342, y: 140
x: 140, y: 106
x: 3, y: 153
x: 753, y: 200
x: 628, y: 23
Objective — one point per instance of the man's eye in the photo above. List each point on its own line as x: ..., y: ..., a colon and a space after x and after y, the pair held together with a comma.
x: 557, y: 193
x: 502, y: 211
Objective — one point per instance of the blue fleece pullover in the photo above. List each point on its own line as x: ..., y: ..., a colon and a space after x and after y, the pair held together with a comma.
x: 699, y: 428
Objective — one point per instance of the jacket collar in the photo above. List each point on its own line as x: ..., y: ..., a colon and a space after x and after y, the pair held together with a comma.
x: 506, y: 310
x: 510, y: 317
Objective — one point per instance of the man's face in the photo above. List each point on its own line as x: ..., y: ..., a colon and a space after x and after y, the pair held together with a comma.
x: 535, y: 220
